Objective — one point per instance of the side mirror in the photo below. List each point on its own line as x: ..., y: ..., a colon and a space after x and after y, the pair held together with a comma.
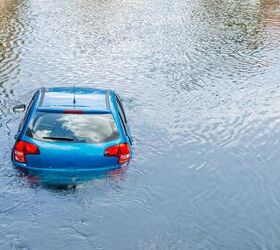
x: 19, y: 108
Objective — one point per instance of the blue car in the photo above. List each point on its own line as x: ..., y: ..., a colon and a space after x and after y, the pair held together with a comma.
x: 72, y: 130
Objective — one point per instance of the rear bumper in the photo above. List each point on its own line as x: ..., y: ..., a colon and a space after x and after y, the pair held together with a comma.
x: 65, y: 175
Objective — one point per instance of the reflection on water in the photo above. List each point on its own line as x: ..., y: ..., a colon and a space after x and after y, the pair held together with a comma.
x: 67, y: 180
x: 11, y: 40
x: 200, y: 83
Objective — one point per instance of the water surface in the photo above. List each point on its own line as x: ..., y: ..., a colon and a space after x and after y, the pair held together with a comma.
x: 200, y: 83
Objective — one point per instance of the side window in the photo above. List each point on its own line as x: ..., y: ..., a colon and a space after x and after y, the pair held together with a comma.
x: 120, y: 107
x: 121, y: 114
x: 27, y: 111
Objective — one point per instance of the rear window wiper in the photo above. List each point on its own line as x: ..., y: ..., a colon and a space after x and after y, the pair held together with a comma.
x: 58, y: 138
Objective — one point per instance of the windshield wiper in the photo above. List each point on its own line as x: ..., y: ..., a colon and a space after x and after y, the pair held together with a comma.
x: 58, y: 138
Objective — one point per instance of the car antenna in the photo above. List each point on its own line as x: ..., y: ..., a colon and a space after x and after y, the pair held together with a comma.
x: 74, y: 97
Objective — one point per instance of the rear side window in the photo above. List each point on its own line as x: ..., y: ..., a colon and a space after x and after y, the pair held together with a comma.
x: 87, y: 128
x: 27, y: 111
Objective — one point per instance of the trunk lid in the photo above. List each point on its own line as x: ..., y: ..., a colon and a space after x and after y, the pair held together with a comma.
x: 71, y: 155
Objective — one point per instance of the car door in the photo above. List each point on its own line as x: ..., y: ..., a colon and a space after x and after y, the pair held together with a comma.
x: 123, y: 119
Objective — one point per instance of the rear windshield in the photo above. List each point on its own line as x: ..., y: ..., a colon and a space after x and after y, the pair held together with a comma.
x: 88, y: 128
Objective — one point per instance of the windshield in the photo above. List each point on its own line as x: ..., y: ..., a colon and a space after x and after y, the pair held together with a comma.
x: 88, y: 128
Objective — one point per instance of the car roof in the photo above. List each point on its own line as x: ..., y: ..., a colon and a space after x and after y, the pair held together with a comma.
x: 87, y: 99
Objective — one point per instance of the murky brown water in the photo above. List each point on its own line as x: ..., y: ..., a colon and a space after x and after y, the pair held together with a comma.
x: 200, y: 81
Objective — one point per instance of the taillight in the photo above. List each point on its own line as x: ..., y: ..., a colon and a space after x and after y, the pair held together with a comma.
x: 122, y: 151
x: 22, y: 149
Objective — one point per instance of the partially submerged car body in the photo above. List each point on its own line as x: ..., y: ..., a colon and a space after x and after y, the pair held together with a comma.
x: 71, y: 130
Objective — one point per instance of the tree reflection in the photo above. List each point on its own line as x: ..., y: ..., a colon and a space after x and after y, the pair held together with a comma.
x: 220, y: 39
x: 270, y: 10
x: 11, y: 29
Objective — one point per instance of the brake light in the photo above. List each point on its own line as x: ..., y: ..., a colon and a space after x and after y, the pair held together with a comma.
x: 122, y: 151
x: 22, y: 149
x: 73, y: 111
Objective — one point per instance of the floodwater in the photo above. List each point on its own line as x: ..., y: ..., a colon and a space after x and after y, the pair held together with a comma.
x: 200, y: 81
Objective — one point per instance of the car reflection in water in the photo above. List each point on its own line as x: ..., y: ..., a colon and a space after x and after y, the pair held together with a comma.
x: 67, y: 180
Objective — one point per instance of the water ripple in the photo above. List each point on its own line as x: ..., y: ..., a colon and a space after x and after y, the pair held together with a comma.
x: 200, y: 84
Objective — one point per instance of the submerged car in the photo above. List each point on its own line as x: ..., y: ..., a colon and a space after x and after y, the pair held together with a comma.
x: 72, y: 130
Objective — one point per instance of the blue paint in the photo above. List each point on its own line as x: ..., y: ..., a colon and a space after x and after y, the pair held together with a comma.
x: 70, y: 158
